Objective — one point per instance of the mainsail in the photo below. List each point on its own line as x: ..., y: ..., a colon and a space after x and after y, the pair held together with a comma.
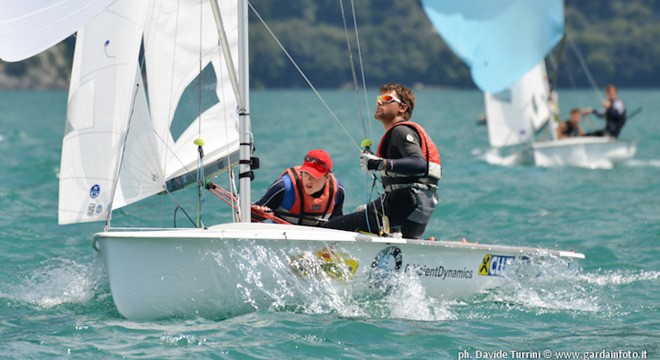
x: 500, y: 40
x: 119, y: 145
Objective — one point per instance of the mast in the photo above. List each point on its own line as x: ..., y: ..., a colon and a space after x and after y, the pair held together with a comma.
x: 245, y: 136
x: 241, y: 87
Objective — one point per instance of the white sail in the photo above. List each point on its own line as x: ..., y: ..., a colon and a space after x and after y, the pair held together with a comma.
x: 119, y: 145
x: 30, y: 27
x: 141, y: 173
x: 517, y: 112
x: 100, y: 104
x: 180, y: 40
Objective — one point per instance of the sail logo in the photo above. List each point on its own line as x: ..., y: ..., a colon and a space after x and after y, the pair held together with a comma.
x: 94, y: 191
x: 494, y: 265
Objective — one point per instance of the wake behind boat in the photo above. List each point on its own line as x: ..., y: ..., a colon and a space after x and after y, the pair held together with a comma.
x: 124, y: 142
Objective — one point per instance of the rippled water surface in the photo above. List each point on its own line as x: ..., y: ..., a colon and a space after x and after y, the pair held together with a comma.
x: 55, y: 301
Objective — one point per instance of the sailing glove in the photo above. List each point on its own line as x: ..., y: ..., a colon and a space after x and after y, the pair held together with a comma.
x: 371, y: 162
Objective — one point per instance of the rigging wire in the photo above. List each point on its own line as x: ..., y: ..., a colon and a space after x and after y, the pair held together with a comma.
x: 583, y: 63
x: 353, y: 73
x: 364, y: 81
x: 367, y: 135
x: 309, y: 83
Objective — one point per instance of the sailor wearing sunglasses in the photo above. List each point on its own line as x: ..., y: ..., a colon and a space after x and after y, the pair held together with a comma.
x: 306, y: 195
x: 409, y: 164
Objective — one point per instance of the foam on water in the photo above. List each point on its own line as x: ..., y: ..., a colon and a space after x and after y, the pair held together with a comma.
x: 619, y: 277
x: 407, y: 299
x: 549, y: 285
x: 494, y: 157
x: 555, y: 286
x: 58, y: 281
x: 655, y: 163
x: 312, y: 290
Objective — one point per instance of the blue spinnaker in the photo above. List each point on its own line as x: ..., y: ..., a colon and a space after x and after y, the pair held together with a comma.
x: 500, y: 40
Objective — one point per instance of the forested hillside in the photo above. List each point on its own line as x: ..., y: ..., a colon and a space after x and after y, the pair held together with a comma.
x: 617, y: 39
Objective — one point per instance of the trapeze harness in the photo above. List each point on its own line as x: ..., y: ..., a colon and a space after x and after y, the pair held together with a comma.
x: 300, y: 208
x: 423, y: 187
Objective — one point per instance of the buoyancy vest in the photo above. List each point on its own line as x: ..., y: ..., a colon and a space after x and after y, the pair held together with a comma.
x: 429, y: 150
x: 571, y: 131
x: 305, y: 208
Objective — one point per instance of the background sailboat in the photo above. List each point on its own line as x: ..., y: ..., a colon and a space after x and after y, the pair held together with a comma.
x: 127, y: 139
x: 505, y: 43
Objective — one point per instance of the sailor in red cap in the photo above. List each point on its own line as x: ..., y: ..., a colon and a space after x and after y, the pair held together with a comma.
x: 308, y: 194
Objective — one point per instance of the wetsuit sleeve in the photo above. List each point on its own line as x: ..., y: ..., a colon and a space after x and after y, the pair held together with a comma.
x: 598, y: 113
x: 273, y: 196
x: 404, y: 152
x: 339, y: 201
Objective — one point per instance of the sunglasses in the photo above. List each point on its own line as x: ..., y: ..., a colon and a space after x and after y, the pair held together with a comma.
x: 386, y: 99
x: 317, y: 164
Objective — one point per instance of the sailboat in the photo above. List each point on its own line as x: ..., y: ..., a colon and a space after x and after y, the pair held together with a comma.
x: 120, y: 146
x: 505, y: 44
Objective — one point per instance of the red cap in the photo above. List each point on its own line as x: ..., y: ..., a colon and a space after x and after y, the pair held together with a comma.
x: 317, y: 163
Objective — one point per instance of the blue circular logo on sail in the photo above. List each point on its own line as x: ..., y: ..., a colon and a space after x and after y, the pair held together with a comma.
x: 94, y: 191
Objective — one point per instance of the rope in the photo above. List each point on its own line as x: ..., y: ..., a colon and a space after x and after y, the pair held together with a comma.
x: 368, y: 193
x: 364, y: 81
x: 231, y: 200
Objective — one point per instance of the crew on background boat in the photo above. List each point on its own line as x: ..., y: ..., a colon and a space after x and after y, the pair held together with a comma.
x: 614, y: 114
x: 571, y: 127
x: 306, y: 195
x: 409, y: 164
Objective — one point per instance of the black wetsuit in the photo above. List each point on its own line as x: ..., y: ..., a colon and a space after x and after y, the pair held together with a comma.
x: 408, y: 208
x: 615, y: 118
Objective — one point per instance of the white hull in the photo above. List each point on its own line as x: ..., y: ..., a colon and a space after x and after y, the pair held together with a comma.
x: 233, y: 269
x: 588, y: 151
